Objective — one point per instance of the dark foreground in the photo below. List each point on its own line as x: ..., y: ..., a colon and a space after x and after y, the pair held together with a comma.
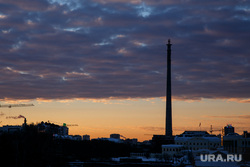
x: 33, y: 149
x: 103, y: 164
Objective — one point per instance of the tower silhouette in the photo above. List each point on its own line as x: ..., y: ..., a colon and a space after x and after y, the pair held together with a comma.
x: 168, y: 130
x: 168, y: 138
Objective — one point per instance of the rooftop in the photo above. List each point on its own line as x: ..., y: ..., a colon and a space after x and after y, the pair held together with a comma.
x: 172, y: 145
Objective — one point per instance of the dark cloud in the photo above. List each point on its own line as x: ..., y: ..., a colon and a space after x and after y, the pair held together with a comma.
x: 99, y: 49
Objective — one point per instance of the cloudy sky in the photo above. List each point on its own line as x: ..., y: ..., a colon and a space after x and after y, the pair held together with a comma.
x: 95, y: 52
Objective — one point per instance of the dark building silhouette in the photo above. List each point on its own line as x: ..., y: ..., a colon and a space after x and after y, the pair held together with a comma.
x: 238, y: 144
x: 115, y: 136
x: 227, y: 129
x: 168, y: 93
x: 52, y: 128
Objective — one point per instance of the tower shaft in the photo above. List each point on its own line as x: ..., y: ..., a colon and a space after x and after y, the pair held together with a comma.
x: 168, y: 93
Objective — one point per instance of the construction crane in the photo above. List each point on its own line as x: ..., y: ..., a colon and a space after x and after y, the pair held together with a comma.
x: 70, y: 124
x: 16, y: 105
x: 123, y: 137
x: 212, y: 130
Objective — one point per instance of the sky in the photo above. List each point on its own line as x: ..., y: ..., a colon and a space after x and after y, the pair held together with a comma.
x: 101, y: 64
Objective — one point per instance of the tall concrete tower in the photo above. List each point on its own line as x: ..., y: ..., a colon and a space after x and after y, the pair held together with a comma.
x: 168, y: 93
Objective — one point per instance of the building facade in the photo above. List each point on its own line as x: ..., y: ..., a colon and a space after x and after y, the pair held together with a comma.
x: 86, y: 137
x: 172, y: 150
x: 10, y: 129
x: 227, y: 129
x: 235, y: 143
x: 196, y: 140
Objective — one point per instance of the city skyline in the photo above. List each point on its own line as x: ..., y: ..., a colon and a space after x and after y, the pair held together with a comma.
x: 101, y: 64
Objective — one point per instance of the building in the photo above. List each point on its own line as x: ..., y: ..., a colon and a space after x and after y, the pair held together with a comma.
x: 196, y: 140
x: 14, y: 128
x: 110, y: 139
x: 131, y: 141
x: 172, y: 150
x: 63, y: 130
x: 115, y: 136
x: 76, y: 137
x: 86, y: 137
x: 10, y: 129
x: 53, y: 128
x: 235, y: 143
x: 227, y: 129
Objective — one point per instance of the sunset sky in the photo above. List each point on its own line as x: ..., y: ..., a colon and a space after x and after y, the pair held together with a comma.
x: 101, y: 64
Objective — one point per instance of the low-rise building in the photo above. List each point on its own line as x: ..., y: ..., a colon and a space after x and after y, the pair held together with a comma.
x: 10, y: 129
x: 235, y: 143
x: 51, y: 128
x: 172, y: 150
x: 86, y: 137
x: 115, y: 136
x: 111, y: 140
x: 195, y: 140
x: 77, y: 137
x: 131, y: 141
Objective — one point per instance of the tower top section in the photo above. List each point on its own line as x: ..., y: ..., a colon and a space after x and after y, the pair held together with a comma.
x: 169, y: 42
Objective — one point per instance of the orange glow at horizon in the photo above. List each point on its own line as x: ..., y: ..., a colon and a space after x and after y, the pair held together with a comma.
x: 132, y: 118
